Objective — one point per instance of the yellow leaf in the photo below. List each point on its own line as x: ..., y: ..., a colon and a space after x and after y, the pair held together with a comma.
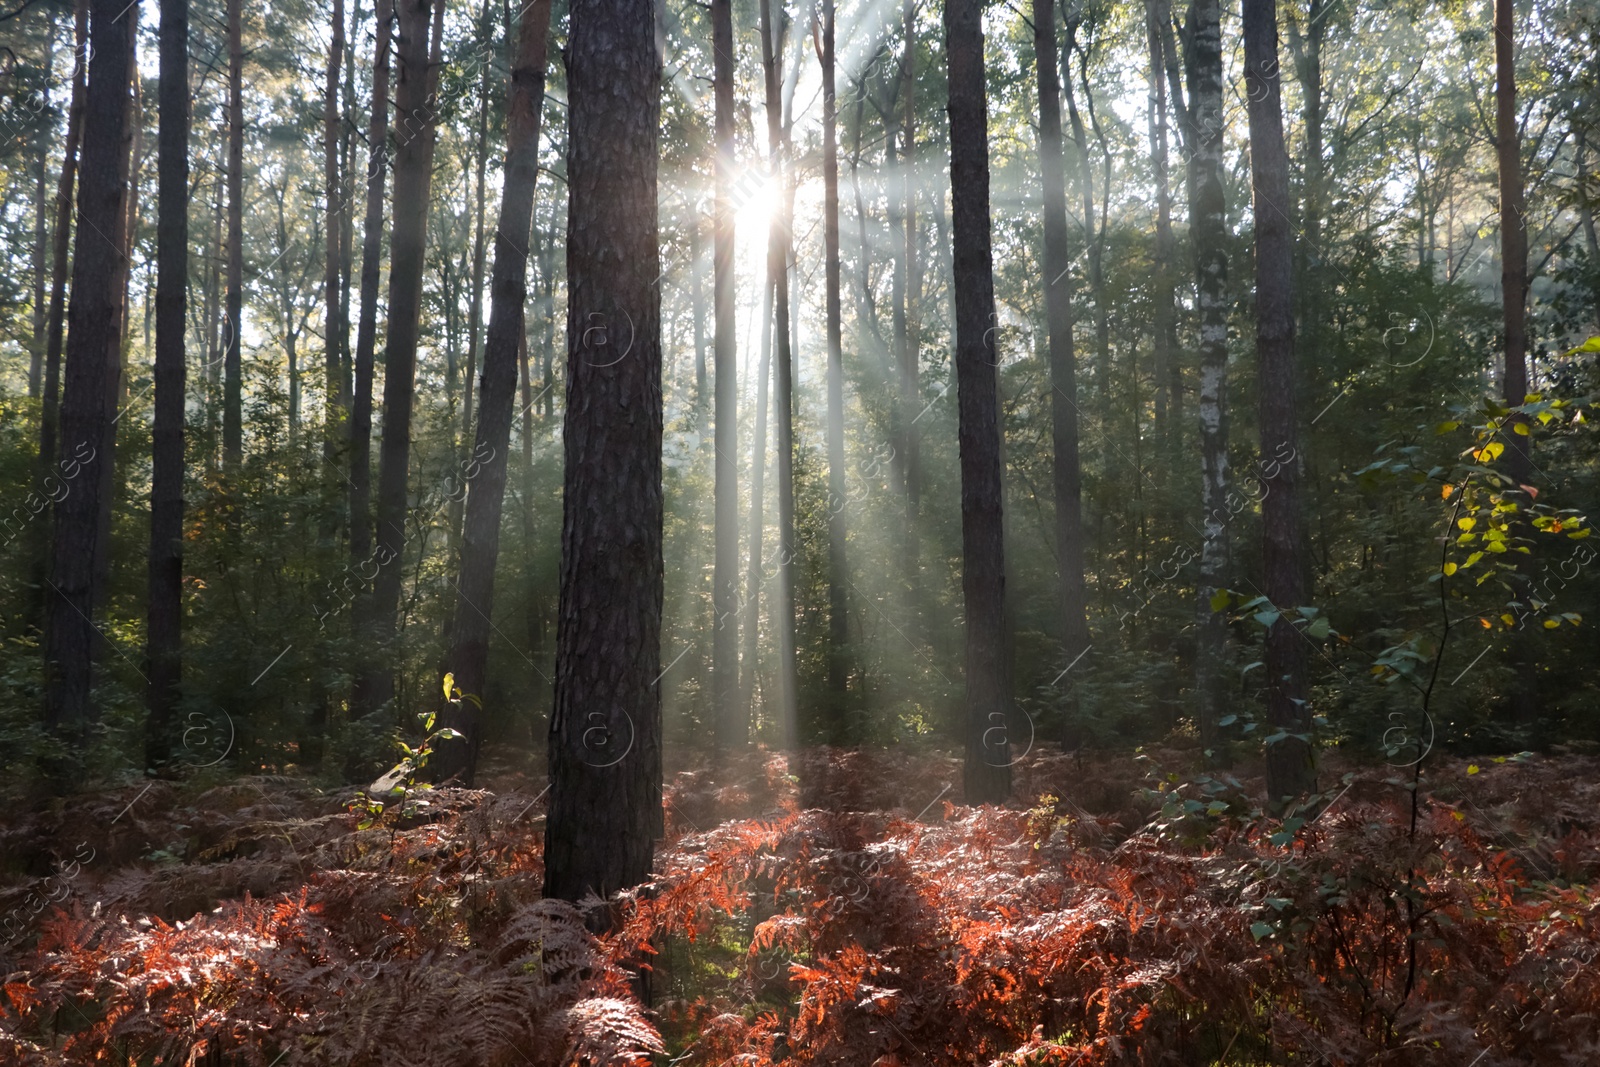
x: 1520, y: 427
x: 449, y: 684
x: 1466, y: 522
x: 1551, y: 624
x: 1472, y: 768
x: 1591, y: 345
x: 1507, y: 619
x: 1449, y: 569
x: 1458, y: 816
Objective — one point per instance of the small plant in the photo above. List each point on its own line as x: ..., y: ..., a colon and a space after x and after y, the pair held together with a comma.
x: 394, y: 790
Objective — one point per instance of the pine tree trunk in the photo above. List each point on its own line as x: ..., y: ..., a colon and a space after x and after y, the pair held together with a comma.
x: 413, y: 177
x: 778, y: 278
x: 1291, y: 770
x: 911, y: 341
x: 1058, y: 313
x: 1208, y: 222
x: 1165, y: 324
x: 41, y: 241
x: 50, y: 414
x: 165, y: 611
x: 987, y: 771
x: 232, y: 371
x: 731, y: 715
x: 371, y: 266
x: 1513, y: 306
x: 333, y: 371
x: 750, y: 671
x: 92, y: 376
x: 486, y: 488
x: 838, y: 561
x: 605, y: 740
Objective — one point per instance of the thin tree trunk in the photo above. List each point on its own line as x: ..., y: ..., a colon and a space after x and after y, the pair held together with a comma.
x: 232, y: 371
x: 49, y: 415
x: 475, y: 311
x: 838, y: 562
x: 413, y: 177
x: 1093, y: 235
x: 41, y: 243
x: 986, y: 775
x: 371, y: 266
x: 92, y: 375
x: 697, y: 300
x: 911, y: 341
x: 333, y: 370
x: 1058, y: 312
x: 1291, y: 770
x: 731, y: 715
x: 165, y: 612
x: 1208, y: 221
x: 751, y: 670
x: 1165, y: 326
x: 486, y: 491
x: 605, y: 740
x: 778, y: 278
x: 1513, y: 306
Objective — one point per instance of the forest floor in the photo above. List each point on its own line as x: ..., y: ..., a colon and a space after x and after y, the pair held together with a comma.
x: 846, y: 910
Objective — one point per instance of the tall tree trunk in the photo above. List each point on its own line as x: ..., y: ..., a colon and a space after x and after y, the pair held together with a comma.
x: 605, y: 732
x: 41, y: 243
x: 751, y: 670
x: 413, y: 177
x: 486, y: 491
x: 1208, y: 229
x: 731, y: 716
x: 1167, y: 386
x: 1291, y: 770
x: 986, y: 774
x: 783, y: 392
x: 165, y: 613
x: 49, y: 415
x: 232, y: 371
x: 838, y: 562
x: 371, y: 266
x: 333, y: 370
x: 1513, y: 307
x: 88, y: 405
x: 1058, y: 313
x: 910, y: 351
x: 1094, y: 236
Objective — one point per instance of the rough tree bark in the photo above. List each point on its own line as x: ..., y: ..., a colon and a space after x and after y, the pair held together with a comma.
x: 93, y: 374
x: 1291, y: 770
x: 605, y: 739
x: 1058, y: 314
x: 508, y: 291
x: 165, y: 609
x: 367, y: 314
x: 731, y: 725
x: 986, y: 775
x: 333, y: 372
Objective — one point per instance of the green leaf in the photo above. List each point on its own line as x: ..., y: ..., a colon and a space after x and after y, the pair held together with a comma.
x: 1220, y: 599
x: 1260, y: 930
x: 1227, y: 720
x: 1320, y: 628
x: 1267, y: 618
x: 1591, y: 345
